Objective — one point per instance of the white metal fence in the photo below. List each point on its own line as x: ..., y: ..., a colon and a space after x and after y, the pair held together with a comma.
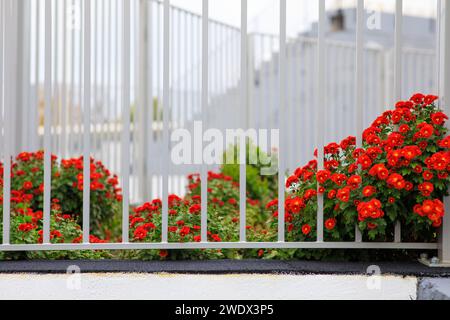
x: 112, y: 78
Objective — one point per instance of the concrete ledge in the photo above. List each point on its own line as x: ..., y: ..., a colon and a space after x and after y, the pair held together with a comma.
x: 433, y: 289
x: 236, y: 287
x: 225, y: 267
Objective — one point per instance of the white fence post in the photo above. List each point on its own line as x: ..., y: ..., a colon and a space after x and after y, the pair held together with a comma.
x: 9, y: 96
x: 244, y: 101
x: 251, y: 108
x: 444, y: 89
x: 359, y: 93
x: 143, y: 122
x: 398, y: 78
x: 204, y: 108
x: 87, y: 105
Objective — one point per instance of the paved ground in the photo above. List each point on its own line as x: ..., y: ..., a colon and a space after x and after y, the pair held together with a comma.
x: 226, y: 267
x: 434, y: 289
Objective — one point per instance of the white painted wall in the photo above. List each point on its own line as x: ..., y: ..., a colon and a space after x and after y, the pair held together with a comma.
x: 197, y: 287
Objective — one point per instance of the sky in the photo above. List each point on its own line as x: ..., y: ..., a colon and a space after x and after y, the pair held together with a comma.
x: 263, y: 14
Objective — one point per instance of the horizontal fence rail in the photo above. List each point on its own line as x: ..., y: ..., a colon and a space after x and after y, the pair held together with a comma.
x: 112, y: 79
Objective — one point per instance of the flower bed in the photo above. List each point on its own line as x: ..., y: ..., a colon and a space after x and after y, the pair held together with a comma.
x: 399, y: 174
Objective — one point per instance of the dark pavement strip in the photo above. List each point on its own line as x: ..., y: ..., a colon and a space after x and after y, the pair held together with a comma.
x: 223, y: 267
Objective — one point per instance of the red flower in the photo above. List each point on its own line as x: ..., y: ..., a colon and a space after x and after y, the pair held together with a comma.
x: 26, y: 227
x: 374, y: 152
x: 380, y: 171
x: 344, y: 194
x: 372, y: 226
x: 432, y: 209
x: 306, y: 229
x: 426, y: 189
x: 418, y: 98
x: 439, y: 118
x: 185, y: 231
x: 291, y: 180
x: 404, y: 128
x: 323, y: 176
x: 27, y: 185
x: 195, y: 209
x: 439, y: 161
x: 371, y: 209
x: 369, y: 191
x: 395, y: 139
x: 163, y: 253
x: 140, y: 233
x: 411, y: 152
x: 427, y: 175
x: 338, y: 179
x: 272, y: 204
x: 330, y: 224
x: 430, y: 99
x: 309, y: 194
x: 332, y: 194
x: 295, y: 205
x: 332, y: 148
x: 365, y: 162
x: 426, y: 130
x: 396, y: 181
x: 444, y: 143
x: 354, y: 181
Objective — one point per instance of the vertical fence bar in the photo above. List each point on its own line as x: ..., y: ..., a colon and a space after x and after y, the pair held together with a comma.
x: 398, y: 50
x: 142, y: 122
x: 320, y: 112
x: 80, y: 76
x: 126, y: 66
x: 24, y: 70
x: 103, y: 87
x: 444, y: 12
x: 117, y: 37
x: 243, y: 139
x: 205, y: 92
x: 359, y: 94
x: 63, y: 111
x: 34, y: 109
x: 151, y: 94
x: 55, y: 72
x: 87, y: 122
x: 71, y: 103
x: 398, y: 67
x: 2, y: 19
x: 109, y: 85
x: 282, y: 152
x: 47, y: 121
x: 95, y: 65
x: 166, y: 108
x: 7, y: 25
x: 438, y: 46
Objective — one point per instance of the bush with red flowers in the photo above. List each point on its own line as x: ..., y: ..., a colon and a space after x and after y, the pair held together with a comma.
x: 401, y: 173
x: 67, y: 187
x: 185, y: 220
x: 26, y: 227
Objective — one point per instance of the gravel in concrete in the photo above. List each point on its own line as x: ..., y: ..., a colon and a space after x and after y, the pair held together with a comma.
x: 226, y: 267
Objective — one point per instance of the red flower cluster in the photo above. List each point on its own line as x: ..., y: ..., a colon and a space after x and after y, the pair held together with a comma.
x: 370, y: 210
x: 404, y: 159
x: 432, y: 209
